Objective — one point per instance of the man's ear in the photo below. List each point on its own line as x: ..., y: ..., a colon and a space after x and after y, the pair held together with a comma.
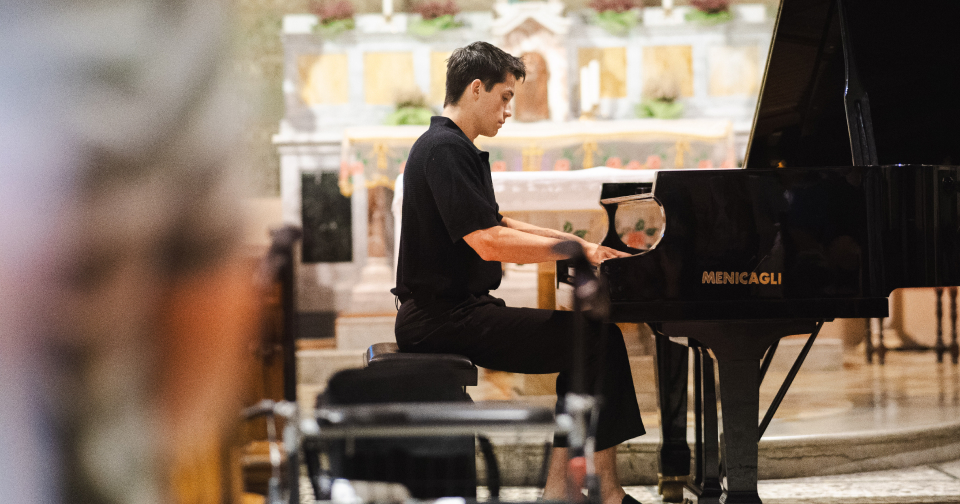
x: 475, y: 87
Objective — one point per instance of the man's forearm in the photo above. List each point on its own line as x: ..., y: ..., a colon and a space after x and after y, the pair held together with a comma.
x: 539, y: 231
x: 506, y: 244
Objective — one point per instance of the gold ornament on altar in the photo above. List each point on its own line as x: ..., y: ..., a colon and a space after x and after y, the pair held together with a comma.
x: 588, y: 149
x: 531, y: 158
x: 682, y: 146
x: 380, y: 150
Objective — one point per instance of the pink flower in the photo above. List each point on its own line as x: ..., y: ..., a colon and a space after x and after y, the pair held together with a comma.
x: 356, y: 168
x: 498, y: 166
x: 705, y: 163
x: 635, y: 239
x: 344, y: 170
x: 614, y: 162
x: 727, y: 163
x: 634, y: 165
x: 330, y: 11
x: 711, y: 6
x: 432, y: 9
x: 562, y: 164
x: 613, y: 5
x: 653, y: 162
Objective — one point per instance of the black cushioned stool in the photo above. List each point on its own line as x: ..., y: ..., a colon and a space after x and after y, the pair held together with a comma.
x: 430, y: 467
x: 388, y: 356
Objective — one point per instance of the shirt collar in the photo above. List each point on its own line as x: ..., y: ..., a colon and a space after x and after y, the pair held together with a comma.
x: 446, y: 122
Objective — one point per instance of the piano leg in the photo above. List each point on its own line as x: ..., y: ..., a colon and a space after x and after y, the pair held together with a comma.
x: 674, y: 453
x: 740, y: 396
x: 708, y: 456
x: 940, y: 348
x: 869, y: 342
x: 954, y: 347
x: 881, y: 347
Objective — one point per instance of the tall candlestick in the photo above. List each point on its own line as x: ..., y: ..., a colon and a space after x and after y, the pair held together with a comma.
x: 594, y: 83
x: 387, y: 9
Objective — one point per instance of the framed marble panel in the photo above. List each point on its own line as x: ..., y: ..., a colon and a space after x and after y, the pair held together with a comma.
x: 438, y: 76
x: 323, y: 79
x: 668, y: 65
x: 734, y: 71
x: 613, y: 68
x: 388, y: 76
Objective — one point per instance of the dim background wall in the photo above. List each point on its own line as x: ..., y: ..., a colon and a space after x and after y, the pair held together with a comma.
x: 259, y: 67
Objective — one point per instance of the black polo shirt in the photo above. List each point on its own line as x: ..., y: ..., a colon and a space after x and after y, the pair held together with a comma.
x: 447, y: 194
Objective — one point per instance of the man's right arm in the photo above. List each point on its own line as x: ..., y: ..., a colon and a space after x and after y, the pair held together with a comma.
x: 504, y: 244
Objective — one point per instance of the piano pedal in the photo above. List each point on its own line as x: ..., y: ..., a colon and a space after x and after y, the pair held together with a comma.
x: 670, y: 488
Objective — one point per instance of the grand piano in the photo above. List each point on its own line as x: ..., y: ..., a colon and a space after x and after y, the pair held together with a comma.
x: 849, y: 191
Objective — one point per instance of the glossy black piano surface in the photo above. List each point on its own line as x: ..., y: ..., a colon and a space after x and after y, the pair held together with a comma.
x: 790, y: 243
x: 849, y: 191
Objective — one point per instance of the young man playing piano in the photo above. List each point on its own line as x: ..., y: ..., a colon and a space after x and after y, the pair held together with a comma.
x: 452, y: 241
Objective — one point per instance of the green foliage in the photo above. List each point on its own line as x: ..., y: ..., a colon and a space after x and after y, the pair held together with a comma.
x: 409, y: 115
x: 617, y: 23
x: 708, y: 18
x: 580, y: 233
x: 334, y: 27
x: 660, y: 109
x: 567, y: 227
x: 640, y: 226
x: 650, y: 231
x: 429, y: 27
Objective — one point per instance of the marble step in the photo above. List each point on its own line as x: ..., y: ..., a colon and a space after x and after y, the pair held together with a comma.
x: 520, y: 456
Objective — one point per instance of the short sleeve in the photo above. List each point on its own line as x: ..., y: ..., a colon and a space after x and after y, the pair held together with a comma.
x: 455, y: 181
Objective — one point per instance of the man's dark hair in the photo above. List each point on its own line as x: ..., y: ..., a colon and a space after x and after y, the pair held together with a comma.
x: 483, y: 61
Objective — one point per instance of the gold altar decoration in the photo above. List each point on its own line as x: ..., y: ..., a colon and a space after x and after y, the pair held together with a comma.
x: 377, y: 154
x: 532, y: 157
x: 588, y: 149
x: 681, y: 147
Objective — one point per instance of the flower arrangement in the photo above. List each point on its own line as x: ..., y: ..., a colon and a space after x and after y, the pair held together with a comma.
x: 660, y: 99
x: 411, y: 109
x: 335, y: 17
x: 435, y: 16
x: 709, y: 12
x: 616, y: 16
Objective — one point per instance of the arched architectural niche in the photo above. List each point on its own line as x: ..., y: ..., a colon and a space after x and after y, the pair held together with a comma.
x: 532, y: 102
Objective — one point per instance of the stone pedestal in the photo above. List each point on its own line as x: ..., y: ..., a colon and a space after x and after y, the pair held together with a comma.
x: 356, y: 333
x: 372, y: 294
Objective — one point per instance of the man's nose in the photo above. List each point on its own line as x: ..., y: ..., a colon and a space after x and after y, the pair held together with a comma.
x: 508, y: 112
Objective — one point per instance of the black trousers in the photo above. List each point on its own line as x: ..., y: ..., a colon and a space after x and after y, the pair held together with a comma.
x: 530, y: 341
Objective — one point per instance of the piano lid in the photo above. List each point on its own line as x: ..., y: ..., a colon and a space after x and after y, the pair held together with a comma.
x: 908, y: 57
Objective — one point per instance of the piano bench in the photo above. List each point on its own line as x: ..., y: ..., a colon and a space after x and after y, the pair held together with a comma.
x: 387, y: 356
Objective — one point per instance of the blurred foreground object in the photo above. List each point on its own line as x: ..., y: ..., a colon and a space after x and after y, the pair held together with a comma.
x: 120, y: 268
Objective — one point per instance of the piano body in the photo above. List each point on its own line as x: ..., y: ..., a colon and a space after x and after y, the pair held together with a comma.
x: 848, y: 192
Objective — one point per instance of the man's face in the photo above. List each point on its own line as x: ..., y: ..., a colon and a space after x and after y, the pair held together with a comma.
x: 494, y: 107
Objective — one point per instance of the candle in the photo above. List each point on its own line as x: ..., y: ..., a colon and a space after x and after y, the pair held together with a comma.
x: 594, y: 83
x: 387, y: 9
x: 584, y: 91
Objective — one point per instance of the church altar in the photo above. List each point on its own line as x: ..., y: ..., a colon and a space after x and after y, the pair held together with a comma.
x: 379, y: 153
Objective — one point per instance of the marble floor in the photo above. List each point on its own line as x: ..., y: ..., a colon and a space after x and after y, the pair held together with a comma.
x: 910, y: 391
x: 929, y: 484
x: 912, y: 397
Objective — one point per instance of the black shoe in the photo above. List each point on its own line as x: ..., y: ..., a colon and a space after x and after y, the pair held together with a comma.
x: 627, y: 499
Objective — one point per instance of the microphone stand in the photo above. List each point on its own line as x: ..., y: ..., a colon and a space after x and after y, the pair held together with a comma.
x: 580, y: 408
